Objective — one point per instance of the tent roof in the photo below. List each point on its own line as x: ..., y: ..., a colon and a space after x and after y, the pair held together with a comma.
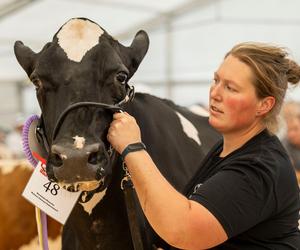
x: 35, y: 22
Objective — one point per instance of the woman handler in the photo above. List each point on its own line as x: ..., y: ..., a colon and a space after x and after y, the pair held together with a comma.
x: 245, y: 194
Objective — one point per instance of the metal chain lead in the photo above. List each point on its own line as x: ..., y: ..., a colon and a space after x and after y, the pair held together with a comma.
x: 127, y: 176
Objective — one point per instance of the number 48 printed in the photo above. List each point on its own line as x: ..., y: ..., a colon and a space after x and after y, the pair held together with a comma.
x: 52, y: 187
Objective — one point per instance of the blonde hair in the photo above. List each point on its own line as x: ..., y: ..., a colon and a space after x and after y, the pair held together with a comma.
x: 272, y: 71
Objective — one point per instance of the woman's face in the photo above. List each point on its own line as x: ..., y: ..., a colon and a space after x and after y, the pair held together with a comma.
x: 233, y: 103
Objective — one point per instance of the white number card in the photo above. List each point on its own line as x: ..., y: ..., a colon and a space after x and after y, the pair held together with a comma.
x: 49, y: 196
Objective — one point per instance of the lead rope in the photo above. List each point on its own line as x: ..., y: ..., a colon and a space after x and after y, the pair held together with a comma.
x: 41, y: 217
x: 131, y: 203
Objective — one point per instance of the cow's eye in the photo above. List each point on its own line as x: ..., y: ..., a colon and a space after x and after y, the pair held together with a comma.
x: 122, y: 77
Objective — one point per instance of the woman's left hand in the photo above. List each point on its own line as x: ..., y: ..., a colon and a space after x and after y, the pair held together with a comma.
x: 123, y: 131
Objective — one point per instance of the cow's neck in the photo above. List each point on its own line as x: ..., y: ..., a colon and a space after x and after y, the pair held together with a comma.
x: 107, y: 222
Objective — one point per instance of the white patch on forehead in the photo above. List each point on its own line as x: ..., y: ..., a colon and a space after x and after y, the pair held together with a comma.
x: 89, y: 206
x: 189, y: 128
x: 77, y: 37
x: 79, y: 142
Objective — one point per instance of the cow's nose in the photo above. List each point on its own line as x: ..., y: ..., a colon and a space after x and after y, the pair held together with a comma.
x: 64, y: 153
x: 92, y: 153
x: 87, y: 162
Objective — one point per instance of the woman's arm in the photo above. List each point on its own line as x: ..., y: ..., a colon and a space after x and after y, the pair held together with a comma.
x: 181, y: 222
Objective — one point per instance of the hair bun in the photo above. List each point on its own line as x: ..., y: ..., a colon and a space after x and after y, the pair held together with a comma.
x: 293, y: 73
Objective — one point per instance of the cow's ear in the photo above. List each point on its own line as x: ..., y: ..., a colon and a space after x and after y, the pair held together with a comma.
x: 139, y: 48
x: 25, y: 56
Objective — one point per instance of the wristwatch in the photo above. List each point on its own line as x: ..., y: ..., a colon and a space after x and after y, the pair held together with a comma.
x: 133, y: 148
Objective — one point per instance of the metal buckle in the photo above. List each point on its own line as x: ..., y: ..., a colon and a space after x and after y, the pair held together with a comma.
x: 110, y: 151
x: 126, y: 180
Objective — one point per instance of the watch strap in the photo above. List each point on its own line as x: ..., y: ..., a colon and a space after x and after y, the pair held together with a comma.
x: 133, y: 148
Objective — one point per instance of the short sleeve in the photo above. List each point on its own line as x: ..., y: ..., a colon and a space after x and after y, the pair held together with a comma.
x: 239, y: 196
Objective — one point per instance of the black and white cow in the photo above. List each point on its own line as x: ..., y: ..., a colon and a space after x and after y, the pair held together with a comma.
x: 83, y: 63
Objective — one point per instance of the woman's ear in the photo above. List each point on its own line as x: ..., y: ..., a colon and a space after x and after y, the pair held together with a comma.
x: 265, y: 105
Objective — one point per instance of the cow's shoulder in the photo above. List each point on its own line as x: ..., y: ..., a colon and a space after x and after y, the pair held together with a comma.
x: 144, y: 102
x: 165, y: 116
x: 148, y: 102
x: 155, y: 113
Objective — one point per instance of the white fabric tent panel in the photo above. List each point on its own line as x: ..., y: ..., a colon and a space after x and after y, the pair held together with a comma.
x: 200, y: 38
x: 153, y: 66
x: 260, y: 9
x: 205, y: 53
x: 36, y: 24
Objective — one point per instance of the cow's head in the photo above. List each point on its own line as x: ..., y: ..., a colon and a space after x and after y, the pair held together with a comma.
x: 83, y: 63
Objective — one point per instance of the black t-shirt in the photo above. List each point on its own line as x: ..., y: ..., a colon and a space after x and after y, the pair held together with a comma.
x: 253, y: 193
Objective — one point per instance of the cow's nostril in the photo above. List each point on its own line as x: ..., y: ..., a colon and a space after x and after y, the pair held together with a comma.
x: 94, y: 158
x: 56, y: 160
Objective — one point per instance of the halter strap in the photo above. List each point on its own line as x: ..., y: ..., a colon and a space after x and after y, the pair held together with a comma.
x: 113, y: 108
x: 42, y: 138
x: 138, y: 236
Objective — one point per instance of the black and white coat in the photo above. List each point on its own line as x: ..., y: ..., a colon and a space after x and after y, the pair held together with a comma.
x: 84, y: 63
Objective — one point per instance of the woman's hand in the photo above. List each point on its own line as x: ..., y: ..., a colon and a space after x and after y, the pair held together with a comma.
x: 123, y: 131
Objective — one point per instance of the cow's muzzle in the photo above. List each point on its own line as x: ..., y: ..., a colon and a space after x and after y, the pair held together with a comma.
x: 78, y: 169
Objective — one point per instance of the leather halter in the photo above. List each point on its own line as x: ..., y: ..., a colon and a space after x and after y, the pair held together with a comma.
x: 137, y: 234
x: 115, y: 108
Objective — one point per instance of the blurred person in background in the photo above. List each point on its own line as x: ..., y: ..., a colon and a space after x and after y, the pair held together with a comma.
x: 291, y: 141
x: 5, y: 153
x: 290, y: 109
x: 14, y: 139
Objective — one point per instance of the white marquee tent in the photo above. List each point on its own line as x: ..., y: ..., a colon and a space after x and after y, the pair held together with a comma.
x: 188, y: 39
